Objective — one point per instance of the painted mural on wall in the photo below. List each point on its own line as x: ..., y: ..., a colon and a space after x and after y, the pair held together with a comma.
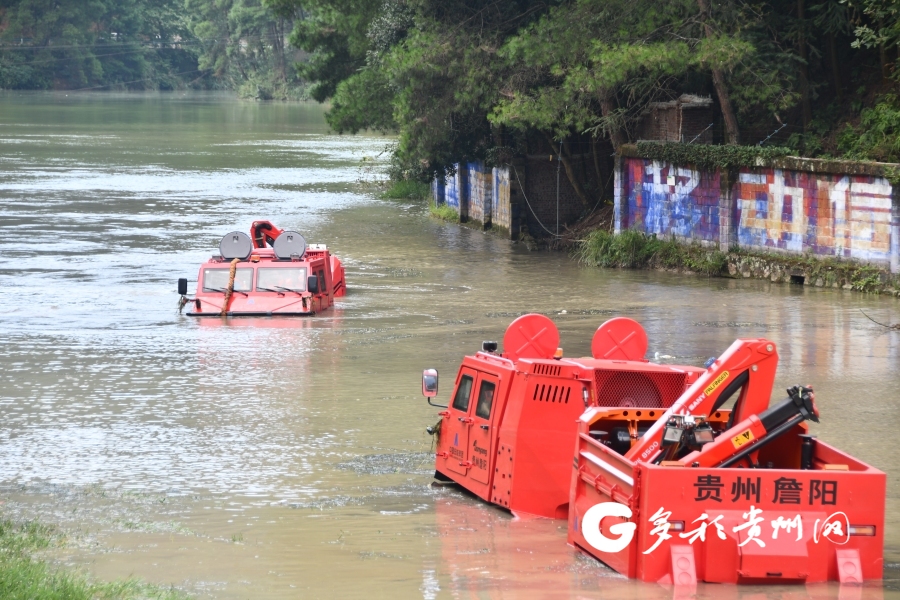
x: 668, y: 200
x: 501, y: 214
x: 452, y: 187
x: 437, y: 191
x: 480, y: 190
x: 846, y: 216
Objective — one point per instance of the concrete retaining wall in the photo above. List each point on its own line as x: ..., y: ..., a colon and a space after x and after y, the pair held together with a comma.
x: 511, y: 197
x: 501, y: 213
x: 480, y: 193
x: 483, y: 197
x: 799, y: 206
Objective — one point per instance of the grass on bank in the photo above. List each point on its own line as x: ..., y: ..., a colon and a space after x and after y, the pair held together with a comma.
x: 443, y: 212
x: 407, y: 189
x: 636, y: 250
x: 23, y: 577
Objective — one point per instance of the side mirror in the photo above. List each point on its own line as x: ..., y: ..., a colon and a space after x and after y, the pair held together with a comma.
x: 312, y: 284
x: 182, y: 286
x: 429, y: 383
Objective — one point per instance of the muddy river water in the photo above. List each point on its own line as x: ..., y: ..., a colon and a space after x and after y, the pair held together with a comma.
x: 288, y: 458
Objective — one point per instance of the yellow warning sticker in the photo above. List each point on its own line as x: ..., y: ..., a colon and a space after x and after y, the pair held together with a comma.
x: 742, y: 438
x: 716, y: 383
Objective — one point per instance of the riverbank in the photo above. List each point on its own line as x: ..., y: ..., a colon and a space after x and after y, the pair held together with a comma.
x: 24, y: 574
x: 635, y: 250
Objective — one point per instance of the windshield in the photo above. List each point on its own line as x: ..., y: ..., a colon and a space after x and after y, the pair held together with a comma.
x: 281, y: 279
x: 216, y: 280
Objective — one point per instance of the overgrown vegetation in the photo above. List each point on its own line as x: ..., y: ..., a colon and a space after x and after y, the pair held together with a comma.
x: 710, y: 157
x: 636, y: 250
x: 407, y: 188
x: 23, y: 577
x: 443, y: 212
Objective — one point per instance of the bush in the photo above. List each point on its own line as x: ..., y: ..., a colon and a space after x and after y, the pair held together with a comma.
x: 878, y: 136
x: 710, y: 157
x: 407, y: 189
x: 444, y: 212
x: 633, y: 249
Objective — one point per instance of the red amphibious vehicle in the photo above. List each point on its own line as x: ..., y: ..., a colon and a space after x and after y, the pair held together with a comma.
x: 247, y: 278
x: 666, y: 473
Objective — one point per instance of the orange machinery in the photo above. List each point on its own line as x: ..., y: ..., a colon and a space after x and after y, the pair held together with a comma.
x: 744, y: 494
x: 246, y: 278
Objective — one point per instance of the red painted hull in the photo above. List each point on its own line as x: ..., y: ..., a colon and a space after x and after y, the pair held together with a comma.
x: 254, y: 296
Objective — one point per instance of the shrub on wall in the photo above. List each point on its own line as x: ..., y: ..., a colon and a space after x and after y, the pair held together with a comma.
x: 708, y: 157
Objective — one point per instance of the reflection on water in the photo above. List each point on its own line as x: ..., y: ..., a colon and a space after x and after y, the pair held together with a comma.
x: 269, y: 457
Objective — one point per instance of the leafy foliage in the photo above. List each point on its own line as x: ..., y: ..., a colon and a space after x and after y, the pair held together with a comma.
x: 407, y: 189
x: 143, y: 44
x: 878, y: 134
x: 463, y: 80
x: 78, y: 43
x: 633, y: 249
x: 710, y: 157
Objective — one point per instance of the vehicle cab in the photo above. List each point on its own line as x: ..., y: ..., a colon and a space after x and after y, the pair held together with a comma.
x: 288, y: 279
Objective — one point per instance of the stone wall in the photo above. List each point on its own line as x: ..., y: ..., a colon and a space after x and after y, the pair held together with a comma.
x: 823, y: 208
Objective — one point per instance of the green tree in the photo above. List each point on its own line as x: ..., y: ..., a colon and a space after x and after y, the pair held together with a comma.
x: 91, y: 43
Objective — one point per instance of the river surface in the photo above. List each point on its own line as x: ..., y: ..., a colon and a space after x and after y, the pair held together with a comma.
x: 288, y: 458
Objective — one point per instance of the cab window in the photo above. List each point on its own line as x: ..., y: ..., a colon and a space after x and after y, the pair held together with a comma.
x: 485, y: 400
x: 461, y: 401
x: 216, y: 280
x: 281, y: 279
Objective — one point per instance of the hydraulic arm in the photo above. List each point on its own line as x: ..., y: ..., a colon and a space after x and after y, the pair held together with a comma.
x: 754, y: 432
x: 747, y: 367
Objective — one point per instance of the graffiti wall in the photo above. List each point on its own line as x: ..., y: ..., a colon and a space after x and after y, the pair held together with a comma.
x: 668, y: 200
x: 455, y: 189
x: 438, y: 187
x: 501, y: 214
x: 823, y: 213
x: 847, y: 216
x: 480, y: 191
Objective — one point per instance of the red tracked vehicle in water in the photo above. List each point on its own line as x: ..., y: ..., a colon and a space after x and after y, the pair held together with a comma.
x: 657, y: 478
x: 247, y: 278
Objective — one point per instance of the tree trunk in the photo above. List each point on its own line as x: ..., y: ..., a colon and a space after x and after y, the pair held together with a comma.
x: 615, y: 135
x: 570, y: 173
x: 597, y: 171
x: 804, y: 67
x: 835, y: 68
x: 732, y: 131
x: 280, y: 58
